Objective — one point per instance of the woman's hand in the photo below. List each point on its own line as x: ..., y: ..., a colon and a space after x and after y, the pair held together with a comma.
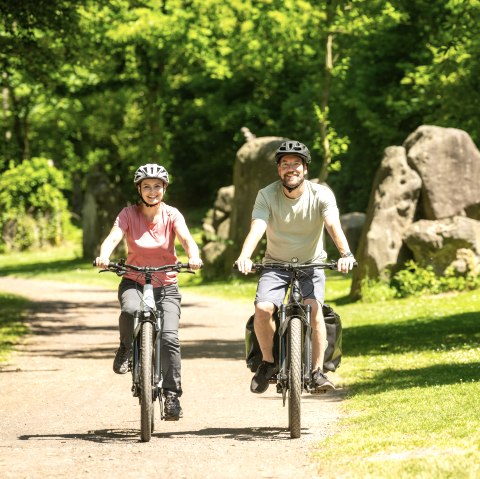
x: 102, y: 262
x: 195, y: 263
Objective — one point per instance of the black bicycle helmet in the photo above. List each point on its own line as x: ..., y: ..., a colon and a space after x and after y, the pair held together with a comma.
x: 293, y: 148
x: 151, y: 170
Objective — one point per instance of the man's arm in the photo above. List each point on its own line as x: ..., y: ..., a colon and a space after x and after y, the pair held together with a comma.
x: 257, y: 230
x: 334, y: 228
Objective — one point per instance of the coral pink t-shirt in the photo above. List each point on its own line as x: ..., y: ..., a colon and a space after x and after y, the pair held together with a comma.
x: 151, y: 244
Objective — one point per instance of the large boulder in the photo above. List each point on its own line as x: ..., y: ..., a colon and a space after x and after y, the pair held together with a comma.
x: 448, y: 163
x: 100, y: 208
x: 220, y: 214
x: 254, y: 168
x: 436, y: 243
x: 352, y: 226
x: 391, y: 211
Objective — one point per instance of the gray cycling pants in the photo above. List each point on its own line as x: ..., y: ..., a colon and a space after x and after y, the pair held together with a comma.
x: 168, y: 301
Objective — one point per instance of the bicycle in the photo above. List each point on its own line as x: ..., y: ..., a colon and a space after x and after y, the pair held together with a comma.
x: 294, y: 362
x: 145, y: 363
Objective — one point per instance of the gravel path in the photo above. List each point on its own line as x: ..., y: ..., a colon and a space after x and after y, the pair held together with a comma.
x: 64, y: 413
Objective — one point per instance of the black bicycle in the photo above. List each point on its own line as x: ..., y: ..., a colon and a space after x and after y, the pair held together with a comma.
x: 294, y: 342
x: 145, y: 363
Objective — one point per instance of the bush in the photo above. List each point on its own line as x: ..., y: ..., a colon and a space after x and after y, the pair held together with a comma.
x: 376, y: 290
x: 33, y: 210
x: 415, y: 280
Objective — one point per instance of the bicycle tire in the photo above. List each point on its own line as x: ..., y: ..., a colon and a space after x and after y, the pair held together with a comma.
x: 146, y: 388
x: 295, y: 377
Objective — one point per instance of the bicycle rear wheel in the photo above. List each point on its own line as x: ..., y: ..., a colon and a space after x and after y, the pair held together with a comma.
x: 146, y: 387
x: 295, y: 377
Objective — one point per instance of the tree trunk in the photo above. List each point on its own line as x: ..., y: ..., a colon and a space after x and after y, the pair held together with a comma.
x: 327, y: 154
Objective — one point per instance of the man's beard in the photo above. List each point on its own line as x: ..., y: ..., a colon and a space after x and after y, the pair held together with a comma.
x: 291, y: 188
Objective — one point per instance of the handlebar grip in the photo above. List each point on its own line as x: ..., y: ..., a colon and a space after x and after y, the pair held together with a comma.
x: 111, y: 264
x: 255, y: 267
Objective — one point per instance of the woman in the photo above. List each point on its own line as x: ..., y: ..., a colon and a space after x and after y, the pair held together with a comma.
x: 150, y: 228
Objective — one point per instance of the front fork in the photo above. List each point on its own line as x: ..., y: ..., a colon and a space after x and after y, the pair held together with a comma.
x: 148, y: 315
x: 303, y: 311
x: 136, y: 354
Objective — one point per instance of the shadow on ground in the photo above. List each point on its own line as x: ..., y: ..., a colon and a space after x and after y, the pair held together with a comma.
x: 129, y: 435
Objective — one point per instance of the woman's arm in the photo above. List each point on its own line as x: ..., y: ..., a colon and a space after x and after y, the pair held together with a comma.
x: 108, y: 245
x: 189, y: 245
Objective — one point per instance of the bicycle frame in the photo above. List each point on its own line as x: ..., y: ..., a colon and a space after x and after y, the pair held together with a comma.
x: 294, y: 308
x: 148, y: 313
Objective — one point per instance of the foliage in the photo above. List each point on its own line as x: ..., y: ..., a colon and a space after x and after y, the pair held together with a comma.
x: 373, y: 291
x: 101, y: 87
x: 415, y: 280
x: 33, y: 210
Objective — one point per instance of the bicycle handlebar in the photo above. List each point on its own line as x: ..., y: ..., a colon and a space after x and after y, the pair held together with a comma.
x: 121, y: 268
x: 294, y: 266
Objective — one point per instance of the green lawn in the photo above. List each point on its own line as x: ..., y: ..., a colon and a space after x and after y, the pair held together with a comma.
x: 12, y: 322
x: 410, y: 368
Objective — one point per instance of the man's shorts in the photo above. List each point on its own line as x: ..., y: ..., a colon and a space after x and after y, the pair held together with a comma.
x: 273, y: 285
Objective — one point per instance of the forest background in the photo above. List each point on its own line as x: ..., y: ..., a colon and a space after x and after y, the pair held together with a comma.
x: 93, y: 89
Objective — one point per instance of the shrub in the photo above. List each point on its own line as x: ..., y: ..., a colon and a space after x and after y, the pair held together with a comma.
x: 376, y: 290
x: 415, y: 280
x: 33, y: 209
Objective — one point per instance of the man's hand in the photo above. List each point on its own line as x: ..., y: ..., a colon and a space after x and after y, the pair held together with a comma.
x: 346, y: 263
x: 244, y: 265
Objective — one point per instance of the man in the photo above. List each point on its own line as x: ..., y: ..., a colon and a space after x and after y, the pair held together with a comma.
x: 293, y: 212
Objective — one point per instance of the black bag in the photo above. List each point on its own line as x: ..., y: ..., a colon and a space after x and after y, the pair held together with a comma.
x: 253, y: 354
x: 333, y: 353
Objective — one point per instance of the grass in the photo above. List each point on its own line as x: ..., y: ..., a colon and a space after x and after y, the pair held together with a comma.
x: 410, y: 368
x: 12, y: 322
x: 65, y: 265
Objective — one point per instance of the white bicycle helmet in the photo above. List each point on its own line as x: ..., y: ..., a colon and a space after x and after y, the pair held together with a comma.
x: 151, y: 170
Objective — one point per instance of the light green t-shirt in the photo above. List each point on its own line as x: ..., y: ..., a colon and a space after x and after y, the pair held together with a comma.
x: 295, y: 226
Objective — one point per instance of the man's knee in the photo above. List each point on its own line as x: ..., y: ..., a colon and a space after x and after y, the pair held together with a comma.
x: 316, y: 316
x: 264, y: 310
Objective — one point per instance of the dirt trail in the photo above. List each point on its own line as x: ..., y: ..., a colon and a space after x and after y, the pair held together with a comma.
x: 64, y: 413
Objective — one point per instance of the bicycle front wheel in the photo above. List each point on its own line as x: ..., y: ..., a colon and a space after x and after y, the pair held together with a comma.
x: 295, y: 377
x: 146, y: 387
